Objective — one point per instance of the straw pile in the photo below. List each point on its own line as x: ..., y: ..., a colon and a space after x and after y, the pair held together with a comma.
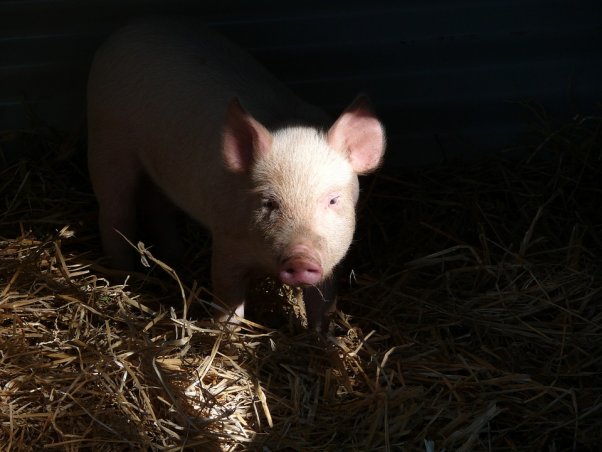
x: 471, y: 319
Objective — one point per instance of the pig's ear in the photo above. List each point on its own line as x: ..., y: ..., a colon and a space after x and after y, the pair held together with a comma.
x: 359, y: 133
x: 244, y: 138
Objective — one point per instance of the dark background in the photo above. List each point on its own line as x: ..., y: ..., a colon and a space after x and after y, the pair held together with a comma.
x: 448, y: 78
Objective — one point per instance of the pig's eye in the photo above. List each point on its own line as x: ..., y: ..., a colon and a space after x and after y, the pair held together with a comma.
x: 334, y: 200
x: 269, y: 204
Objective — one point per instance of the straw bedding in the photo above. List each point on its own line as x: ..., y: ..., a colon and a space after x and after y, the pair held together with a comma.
x: 470, y: 319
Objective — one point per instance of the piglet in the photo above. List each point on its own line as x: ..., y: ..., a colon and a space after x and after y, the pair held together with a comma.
x: 179, y: 116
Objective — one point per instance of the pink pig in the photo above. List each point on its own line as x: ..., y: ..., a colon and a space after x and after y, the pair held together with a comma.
x: 276, y: 189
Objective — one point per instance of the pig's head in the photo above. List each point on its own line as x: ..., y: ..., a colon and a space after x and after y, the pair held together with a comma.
x: 305, y: 186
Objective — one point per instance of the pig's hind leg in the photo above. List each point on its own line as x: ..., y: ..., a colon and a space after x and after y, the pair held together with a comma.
x: 115, y: 178
x: 159, y: 223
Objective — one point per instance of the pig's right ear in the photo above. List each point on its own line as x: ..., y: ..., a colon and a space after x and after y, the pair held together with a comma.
x: 244, y: 138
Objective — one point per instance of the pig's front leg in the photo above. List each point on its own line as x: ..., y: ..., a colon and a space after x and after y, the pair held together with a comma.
x: 230, y: 279
x: 320, y: 302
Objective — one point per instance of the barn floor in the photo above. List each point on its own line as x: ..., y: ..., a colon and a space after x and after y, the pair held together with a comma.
x: 470, y: 319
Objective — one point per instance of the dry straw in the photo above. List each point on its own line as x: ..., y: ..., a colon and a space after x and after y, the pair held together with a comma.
x: 471, y: 319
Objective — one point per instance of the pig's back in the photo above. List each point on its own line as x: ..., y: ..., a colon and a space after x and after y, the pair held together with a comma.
x: 174, y: 65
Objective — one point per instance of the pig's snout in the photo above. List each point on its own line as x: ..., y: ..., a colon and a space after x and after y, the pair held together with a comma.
x: 300, y: 269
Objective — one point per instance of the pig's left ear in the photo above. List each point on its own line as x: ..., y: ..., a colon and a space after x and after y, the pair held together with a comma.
x: 360, y: 134
x: 244, y: 138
